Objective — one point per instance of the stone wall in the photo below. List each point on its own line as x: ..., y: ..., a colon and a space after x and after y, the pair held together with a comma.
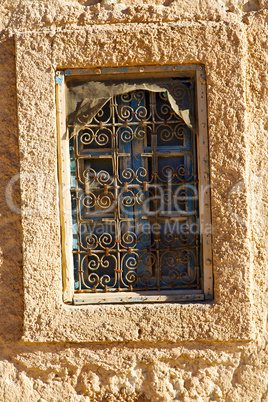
x: 193, y: 361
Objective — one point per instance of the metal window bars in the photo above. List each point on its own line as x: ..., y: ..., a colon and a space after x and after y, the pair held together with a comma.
x: 136, y: 225
x: 135, y: 198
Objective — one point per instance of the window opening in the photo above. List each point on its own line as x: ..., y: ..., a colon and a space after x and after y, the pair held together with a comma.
x: 135, y: 191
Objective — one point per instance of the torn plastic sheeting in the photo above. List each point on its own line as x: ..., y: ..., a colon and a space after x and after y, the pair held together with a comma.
x: 92, y: 96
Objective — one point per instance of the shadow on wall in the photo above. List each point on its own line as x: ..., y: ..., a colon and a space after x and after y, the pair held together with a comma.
x: 89, y: 2
x: 126, y: 2
x: 252, y: 5
x: 11, y: 288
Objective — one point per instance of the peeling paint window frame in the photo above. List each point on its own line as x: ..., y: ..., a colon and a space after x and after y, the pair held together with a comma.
x: 206, y: 292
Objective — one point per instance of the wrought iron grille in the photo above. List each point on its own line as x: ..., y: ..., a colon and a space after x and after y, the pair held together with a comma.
x: 134, y: 191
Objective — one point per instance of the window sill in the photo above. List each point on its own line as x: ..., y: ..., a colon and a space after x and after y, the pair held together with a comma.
x: 136, y: 297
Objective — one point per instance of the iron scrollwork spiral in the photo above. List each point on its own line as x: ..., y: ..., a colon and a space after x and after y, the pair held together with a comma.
x: 136, y: 197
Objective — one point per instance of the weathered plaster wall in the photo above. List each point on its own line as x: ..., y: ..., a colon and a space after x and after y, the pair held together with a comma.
x: 141, y: 370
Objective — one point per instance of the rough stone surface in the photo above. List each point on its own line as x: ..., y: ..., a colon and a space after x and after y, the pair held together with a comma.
x: 45, y: 316
x: 205, y: 352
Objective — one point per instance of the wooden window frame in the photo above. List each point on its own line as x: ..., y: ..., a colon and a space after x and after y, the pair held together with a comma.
x: 196, y: 71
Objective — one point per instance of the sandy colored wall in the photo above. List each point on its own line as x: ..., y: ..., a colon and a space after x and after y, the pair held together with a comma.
x: 146, y: 368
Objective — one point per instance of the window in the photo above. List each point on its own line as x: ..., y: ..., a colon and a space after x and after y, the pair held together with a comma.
x: 136, y: 204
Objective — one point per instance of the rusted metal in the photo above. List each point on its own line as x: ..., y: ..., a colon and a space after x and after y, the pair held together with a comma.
x: 135, y: 199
